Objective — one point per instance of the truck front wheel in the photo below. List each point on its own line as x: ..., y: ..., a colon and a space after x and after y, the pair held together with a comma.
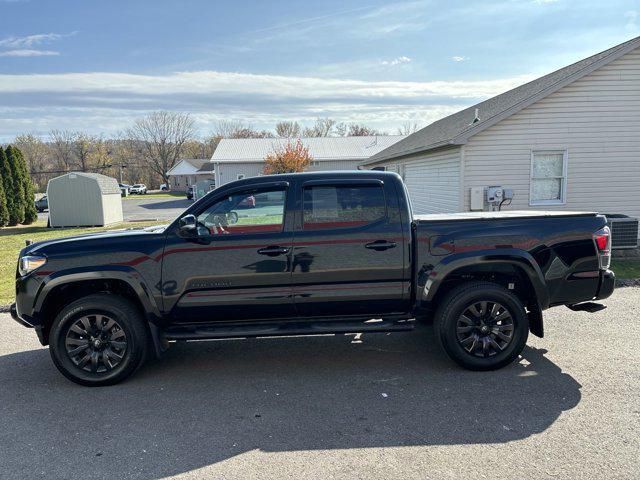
x: 98, y: 340
x: 481, y: 326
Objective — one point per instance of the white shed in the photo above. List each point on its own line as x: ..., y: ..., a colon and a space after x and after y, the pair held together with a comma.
x: 83, y: 199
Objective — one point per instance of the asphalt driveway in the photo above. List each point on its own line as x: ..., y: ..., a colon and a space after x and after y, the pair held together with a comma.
x: 328, y: 407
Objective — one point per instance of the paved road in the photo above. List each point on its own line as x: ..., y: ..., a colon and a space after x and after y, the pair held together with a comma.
x: 323, y: 407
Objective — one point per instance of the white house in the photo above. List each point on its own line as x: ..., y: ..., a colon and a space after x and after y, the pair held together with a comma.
x: 568, y: 140
x: 188, y: 171
x: 239, y: 158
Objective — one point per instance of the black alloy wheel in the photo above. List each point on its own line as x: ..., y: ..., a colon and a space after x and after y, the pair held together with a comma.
x: 96, y: 343
x: 485, y: 329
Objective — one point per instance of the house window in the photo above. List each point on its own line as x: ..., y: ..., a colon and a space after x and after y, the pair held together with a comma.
x: 548, y: 177
x: 240, y: 176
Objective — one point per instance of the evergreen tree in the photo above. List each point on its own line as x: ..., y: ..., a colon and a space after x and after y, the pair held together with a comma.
x: 4, y: 212
x: 30, y: 212
x: 17, y: 189
x: 7, y: 183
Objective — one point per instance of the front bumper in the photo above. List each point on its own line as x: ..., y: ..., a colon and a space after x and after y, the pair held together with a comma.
x: 22, y: 321
x: 607, y: 284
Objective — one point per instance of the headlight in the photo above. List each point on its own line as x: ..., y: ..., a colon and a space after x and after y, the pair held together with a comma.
x: 29, y: 263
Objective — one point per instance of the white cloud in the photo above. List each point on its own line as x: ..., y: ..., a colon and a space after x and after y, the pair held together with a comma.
x: 28, y: 53
x: 105, y: 103
x: 31, y: 40
x: 459, y: 58
x: 397, y: 61
x: 213, y: 82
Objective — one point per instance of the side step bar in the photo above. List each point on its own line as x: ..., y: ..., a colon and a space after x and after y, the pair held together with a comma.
x: 590, y: 307
x: 237, y: 330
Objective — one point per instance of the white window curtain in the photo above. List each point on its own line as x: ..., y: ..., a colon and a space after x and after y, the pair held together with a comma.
x: 548, y: 177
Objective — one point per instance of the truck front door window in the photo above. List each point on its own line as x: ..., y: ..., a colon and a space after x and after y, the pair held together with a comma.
x: 243, y: 213
x: 328, y: 207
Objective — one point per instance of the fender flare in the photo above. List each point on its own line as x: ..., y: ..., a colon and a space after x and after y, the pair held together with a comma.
x: 122, y: 273
x: 432, y: 279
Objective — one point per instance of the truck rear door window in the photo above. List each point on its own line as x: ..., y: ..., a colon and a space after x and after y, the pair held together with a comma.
x: 327, y: 207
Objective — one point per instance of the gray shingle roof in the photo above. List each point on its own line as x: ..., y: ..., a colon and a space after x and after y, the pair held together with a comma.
x: 105, y: 183
x: 196, y: 162
x: 207, y: 167
x: 320, y: 148
x: 457, y: 128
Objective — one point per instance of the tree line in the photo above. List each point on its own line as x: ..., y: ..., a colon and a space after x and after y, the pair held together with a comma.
x: 16, y: 189
x: 146, y: 151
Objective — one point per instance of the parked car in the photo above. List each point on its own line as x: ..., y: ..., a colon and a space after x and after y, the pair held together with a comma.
x: 124, y: 189
x: 190, y: 192
x: 139, y: 189
x: 332, y: 251
x: 164, y: 187
x: 42, y: 204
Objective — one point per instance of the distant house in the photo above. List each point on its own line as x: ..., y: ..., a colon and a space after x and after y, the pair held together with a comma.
x: 188, y: 171
x: 568, y: 140
x: 235, y: 159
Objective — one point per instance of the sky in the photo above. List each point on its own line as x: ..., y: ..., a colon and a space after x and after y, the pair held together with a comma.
x: 97, y: 66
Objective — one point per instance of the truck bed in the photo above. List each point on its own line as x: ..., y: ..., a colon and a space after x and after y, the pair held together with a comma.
x: 511, y: 214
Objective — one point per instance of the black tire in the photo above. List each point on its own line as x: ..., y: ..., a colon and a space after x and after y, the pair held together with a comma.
x: 459, y: 337
x: 118, y: 362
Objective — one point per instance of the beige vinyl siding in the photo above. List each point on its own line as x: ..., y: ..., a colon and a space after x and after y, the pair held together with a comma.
x: 326, y: 165
x: 228, y: 172
x: 432, y: 179
x: 596, y: 119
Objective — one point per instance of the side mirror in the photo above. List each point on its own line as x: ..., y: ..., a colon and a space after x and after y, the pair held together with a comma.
x: 188, y: 226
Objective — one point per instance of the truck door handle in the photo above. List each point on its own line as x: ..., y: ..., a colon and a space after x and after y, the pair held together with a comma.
x: 273, y: 250
x: 380, y: 245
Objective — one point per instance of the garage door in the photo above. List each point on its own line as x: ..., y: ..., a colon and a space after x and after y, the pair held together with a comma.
x: 434, y: 182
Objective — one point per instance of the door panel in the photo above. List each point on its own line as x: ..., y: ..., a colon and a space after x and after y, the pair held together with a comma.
x: 348, y: 255
x: 239, y: 265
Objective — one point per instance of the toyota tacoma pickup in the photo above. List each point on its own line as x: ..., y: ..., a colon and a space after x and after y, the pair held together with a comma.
x: 309, y: 253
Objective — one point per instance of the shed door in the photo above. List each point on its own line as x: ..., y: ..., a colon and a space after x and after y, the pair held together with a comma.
x: 433, y: 183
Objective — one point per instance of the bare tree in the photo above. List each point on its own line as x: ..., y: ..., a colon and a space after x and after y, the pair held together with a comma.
x: 81, y: 146
x: 160, y: 137
x: 356, y: 130
x: 408, y: 128
x: 288, y: 129
x: 62, y: 149
x: 38, y: 156
x: 323, y: 127
x: 235, y: 129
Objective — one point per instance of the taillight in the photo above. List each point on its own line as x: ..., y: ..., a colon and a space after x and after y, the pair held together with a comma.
x: 602, y: 239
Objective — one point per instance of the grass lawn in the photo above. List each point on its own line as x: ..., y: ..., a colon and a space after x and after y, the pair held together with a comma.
x: 156, y: 195
x: 12, y: 240
x: 626, y: 268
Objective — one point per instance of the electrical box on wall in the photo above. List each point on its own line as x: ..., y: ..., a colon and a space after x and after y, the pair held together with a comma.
x: 477, y: 198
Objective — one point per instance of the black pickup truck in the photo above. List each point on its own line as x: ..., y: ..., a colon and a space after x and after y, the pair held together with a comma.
x: 310, y: 253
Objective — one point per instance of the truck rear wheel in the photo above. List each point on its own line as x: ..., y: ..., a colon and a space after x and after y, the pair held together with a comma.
x: 481, y: 326
x: 98, y: 340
